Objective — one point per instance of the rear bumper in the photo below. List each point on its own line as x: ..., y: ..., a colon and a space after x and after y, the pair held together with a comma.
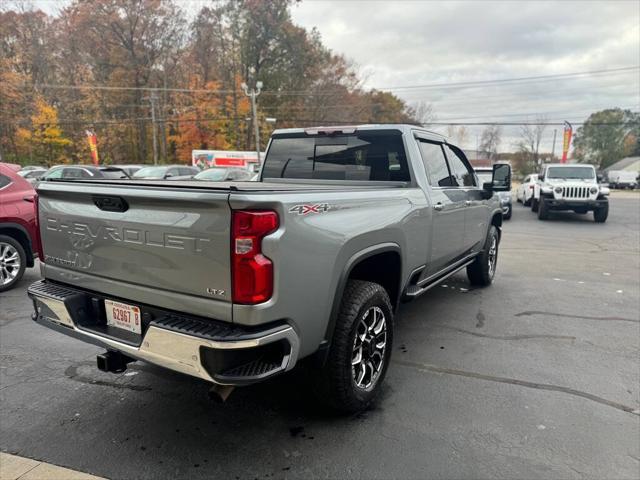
x: 214, y: 351
x: 561, y: 204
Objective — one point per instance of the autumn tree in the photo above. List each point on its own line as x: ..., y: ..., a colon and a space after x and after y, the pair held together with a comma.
x: 99, y: 61
x: 45, y: 139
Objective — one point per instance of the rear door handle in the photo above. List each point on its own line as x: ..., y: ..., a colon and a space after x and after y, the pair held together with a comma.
x: 438, y: 206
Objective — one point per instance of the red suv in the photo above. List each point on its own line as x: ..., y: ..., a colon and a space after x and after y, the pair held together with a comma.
x: 19, y: 235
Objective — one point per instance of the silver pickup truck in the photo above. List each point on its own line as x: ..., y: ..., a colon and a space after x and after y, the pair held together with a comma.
x: 235, y: 282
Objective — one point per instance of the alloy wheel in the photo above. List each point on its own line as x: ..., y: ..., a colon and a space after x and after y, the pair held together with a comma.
x: 9, y: 263
x: 369, y: 348
x: 493, y: 256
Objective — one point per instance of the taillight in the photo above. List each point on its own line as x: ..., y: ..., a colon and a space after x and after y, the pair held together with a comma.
x: 252, y: 272
x: 530, y: 187
x: 37, y: 240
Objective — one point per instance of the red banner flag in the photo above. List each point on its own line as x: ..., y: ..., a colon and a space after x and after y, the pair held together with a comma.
x: 568, y: 130
x: 93, y: 146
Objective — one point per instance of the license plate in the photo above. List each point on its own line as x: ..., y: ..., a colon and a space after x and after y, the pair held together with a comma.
x: 121, y: 315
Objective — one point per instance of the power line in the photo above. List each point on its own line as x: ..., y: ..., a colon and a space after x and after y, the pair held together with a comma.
x: 326, y: 92
x: 471, y: 84
x: 514, y: 79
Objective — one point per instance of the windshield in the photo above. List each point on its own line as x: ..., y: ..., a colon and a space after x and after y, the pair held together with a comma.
x: 585, y: 173
x: 215, y: 174
x: 150, y: 172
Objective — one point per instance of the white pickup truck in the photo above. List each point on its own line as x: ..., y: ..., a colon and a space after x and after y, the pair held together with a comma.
x: 562, y: 186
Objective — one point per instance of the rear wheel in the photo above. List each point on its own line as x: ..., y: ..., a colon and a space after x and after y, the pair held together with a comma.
x: 360, y: 350
x: 483, y: 268
x: 507, y: 216
x: 13, y: 261
x: 600, y: 214
x: 526, y: 202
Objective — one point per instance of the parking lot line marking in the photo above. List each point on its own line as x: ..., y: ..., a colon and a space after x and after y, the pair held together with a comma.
x: 425, y: 367
x: 582, y: 317
x: 13, y: 467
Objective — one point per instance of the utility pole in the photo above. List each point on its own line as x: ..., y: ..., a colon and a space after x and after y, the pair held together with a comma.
x: 254, y: 109
x: 553, y: 147
x: 153, y: 99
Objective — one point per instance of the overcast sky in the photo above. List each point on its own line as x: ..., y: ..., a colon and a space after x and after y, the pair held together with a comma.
x: 411, y: 43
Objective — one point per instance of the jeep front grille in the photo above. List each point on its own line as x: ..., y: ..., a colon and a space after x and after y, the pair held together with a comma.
x: 575, y: 192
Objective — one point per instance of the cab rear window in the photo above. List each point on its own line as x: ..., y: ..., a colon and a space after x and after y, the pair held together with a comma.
x: 378, y: 156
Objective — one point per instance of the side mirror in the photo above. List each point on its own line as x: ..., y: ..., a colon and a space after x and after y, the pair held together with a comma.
x: 487, y: 190
x: 168, y: 175
x: 501, y: 180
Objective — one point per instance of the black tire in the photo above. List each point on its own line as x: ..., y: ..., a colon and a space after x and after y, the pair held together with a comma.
x: 534, y: 205
x: 600, y: 214
x: 543, y: 210
x: 507, y: 216
x: 7, y: 268
x: 337, y: 384
x: 526, y: 203
x: 481, y: 271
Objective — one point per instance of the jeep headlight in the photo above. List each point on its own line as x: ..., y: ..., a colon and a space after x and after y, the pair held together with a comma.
x: 558, y: 190
x: 593, y: 190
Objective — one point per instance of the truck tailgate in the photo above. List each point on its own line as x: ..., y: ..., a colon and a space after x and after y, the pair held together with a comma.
x: 161, y: 246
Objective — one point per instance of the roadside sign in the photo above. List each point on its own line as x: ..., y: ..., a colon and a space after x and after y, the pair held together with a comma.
x: 223, y: 158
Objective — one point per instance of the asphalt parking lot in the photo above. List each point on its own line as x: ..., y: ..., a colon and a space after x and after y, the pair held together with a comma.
x: 535, y: 377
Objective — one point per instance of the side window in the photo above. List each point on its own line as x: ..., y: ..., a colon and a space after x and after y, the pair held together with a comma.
x: 55, y: 173
x: 526, y: 179
x: 71, y: 173
x: 435, y: 164
x: 463, y: 176
x: 4, y: 181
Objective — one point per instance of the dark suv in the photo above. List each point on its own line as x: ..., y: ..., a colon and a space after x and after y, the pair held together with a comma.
x: 19, y: 236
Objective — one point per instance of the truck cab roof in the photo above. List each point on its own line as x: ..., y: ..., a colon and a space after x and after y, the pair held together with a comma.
x: 348, y: 129
x: 566, y: 165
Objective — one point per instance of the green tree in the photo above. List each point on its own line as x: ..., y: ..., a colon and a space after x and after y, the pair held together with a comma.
x: 607, y: 136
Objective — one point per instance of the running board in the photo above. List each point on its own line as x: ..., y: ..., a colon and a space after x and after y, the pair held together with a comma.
x: 414, y: 291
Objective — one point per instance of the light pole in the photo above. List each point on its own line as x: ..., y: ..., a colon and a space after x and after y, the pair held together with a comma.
x: 254, y: 109
x: 152, y: 99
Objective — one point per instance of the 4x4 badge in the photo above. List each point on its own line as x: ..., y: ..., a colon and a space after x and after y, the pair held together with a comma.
x: 310, y: 208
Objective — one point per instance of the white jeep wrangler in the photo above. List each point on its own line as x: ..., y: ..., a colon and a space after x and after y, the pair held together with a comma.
x: 563, y: 186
